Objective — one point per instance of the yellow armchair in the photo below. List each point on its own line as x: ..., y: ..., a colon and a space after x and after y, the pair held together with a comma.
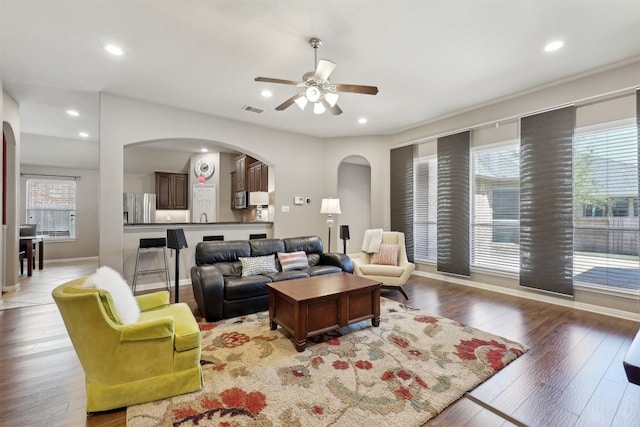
x: 154, y: 358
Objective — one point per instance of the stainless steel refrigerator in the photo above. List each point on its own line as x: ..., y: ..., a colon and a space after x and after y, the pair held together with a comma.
x: 139, y: 208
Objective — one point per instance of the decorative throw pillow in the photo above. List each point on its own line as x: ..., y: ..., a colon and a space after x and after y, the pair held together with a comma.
x: 293, y: 260
x: 252, y: 266
x: 386, y: 255
x: 108, y: 279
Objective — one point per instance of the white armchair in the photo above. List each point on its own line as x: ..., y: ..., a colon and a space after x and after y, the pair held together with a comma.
x: 391, y: 276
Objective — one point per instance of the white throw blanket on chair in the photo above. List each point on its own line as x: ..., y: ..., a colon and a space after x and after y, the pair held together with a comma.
x: 372, y: 240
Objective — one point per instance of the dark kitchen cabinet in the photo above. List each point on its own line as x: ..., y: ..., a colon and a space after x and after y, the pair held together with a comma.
x: 172, y: 191
x: 258, y: 177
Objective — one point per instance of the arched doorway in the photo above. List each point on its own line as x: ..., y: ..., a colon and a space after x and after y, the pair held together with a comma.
x: 354, y: 192
x: 9, y: 244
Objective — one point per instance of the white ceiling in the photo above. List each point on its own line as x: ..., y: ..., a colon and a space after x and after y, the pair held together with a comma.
x: 428, y: 58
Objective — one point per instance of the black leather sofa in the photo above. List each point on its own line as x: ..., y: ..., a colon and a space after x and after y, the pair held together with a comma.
x: 222, y: 292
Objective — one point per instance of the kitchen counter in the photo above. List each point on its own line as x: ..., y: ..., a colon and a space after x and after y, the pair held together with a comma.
x: 194, y: 233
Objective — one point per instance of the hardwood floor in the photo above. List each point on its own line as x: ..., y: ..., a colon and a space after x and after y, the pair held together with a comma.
x: 571, y: 376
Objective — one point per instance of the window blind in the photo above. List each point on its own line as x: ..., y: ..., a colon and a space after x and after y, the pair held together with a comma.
x: 605, y: 207
x: 453, y: 204
x: 51, y: 204
x: 495, y: 223
x: 401, y: 176
x: 546, y: 201
x: 426, y: 208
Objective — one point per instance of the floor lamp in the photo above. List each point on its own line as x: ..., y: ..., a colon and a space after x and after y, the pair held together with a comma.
x: 331, y: 207
x: 177, y: 241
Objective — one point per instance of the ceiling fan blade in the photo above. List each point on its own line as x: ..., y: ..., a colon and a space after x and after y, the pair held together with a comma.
x: 324, y: 69
x: 367, y: 90
x: 281, y: 81
x: 286, y: 104
x: 335, y: 110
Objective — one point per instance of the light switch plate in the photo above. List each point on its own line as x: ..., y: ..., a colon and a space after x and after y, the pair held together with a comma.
x: 285, y: 208
x: 298, y: 200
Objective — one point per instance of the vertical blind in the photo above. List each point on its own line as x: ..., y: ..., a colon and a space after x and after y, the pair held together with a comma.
x: 401, y: 175
x: 546, y: 201
x: 453, y: 204
x: 426, y: 208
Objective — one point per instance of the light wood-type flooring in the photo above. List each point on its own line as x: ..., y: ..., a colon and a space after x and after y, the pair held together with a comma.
x: 571, y: 376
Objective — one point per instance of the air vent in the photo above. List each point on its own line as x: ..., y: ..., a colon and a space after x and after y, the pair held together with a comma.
x: 252, y: 109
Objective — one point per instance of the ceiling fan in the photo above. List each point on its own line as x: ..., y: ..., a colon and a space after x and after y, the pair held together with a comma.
x: 317, y: 88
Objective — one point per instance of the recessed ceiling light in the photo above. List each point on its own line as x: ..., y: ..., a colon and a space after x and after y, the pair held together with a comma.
x: 553, y: 46
x: 73, y: 113
x: 362, y: 120
x: 114, y: 50
x: 266, y: 93
x: 204, y: 150
x: 84, y: 134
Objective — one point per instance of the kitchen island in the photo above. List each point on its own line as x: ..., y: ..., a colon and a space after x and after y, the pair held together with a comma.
x: 194, y: 233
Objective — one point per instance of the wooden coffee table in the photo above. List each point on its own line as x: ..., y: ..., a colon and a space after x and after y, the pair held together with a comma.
x: 308, y: 307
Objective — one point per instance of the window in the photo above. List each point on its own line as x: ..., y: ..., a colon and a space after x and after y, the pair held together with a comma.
x: 606, y: 236
x: 51, y: 203
x: 506, y: 212
x: 425, y: 213
x: 496, y: 208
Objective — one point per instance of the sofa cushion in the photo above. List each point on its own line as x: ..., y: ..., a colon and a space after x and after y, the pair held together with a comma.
x: 233, y: 269
x: 212, y: 252
x: 293, y: 260
x: 261, y: 247
x: 187, y: 333
x: 322, y: 269
x: 252, y: 266
x: 387, y: 255
x: 381, y: 270
x: 287, y: 275
x: 308, y: 244
x: 313, y: 259
x: 237, y: 288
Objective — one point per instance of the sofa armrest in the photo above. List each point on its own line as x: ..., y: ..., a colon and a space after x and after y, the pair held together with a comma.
x: 154, y: 300
x: 161, y: 327
x: 337, y: 260
x: 208, y: 290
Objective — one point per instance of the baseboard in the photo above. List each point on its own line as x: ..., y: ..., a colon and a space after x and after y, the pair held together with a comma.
x: 533, y: 296
x: 159, y: 286
x: 66, y: 260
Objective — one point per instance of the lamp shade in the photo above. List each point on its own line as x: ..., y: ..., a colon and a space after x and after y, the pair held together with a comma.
x: 330, y: 206
x: 176, y: 239
x: 259, y: 198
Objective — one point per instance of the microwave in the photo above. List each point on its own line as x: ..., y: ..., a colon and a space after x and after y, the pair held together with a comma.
x: 240, y: 201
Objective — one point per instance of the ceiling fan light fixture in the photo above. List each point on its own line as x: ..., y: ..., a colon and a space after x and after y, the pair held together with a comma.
x: 301, y: 101
x: 313, y: 94
x: 318, y: 108
x: 332, y: 98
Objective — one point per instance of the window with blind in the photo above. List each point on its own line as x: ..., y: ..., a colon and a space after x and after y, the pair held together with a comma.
x: 606, y: 230
x: 51, y: 203
x: 425, y: 216
x: 495, y: 220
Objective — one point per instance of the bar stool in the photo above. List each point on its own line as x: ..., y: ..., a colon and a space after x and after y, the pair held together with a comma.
x: 151, y: 244
x: 212, y: 238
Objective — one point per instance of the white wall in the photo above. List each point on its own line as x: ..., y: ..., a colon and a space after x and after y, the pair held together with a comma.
x: 87, y: 187
x: 293, y: 157
x: 355, y: 201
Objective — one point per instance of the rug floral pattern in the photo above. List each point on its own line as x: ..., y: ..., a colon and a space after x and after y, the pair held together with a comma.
x: 403, y: 372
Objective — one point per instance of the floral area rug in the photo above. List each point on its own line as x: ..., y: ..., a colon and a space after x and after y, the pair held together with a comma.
x: 403, y: 372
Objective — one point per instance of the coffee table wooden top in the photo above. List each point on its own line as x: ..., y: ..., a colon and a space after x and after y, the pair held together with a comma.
x: 321, y: 286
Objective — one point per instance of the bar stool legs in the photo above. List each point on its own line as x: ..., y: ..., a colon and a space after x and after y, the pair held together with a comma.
x: 147, y: 245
